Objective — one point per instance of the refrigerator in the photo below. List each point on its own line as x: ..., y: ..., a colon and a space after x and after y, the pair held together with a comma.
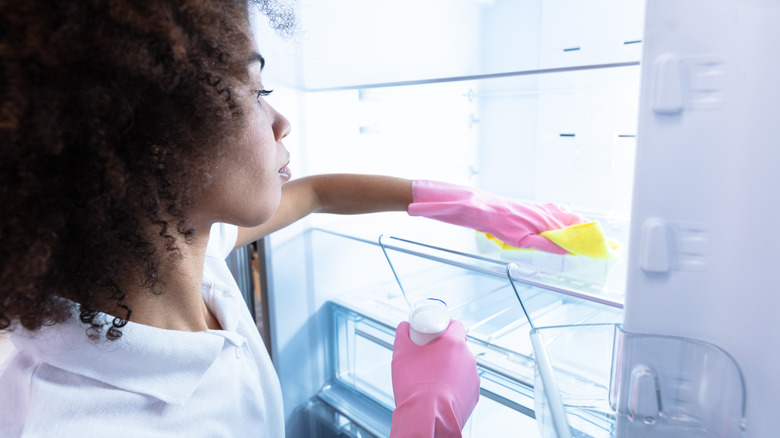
x: 651, y: 117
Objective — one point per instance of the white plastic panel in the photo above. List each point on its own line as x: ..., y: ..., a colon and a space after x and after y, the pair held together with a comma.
x: 590, y: 32
x: 343, y: 43
x: 424, y: 131
x: 348, y: 42
x: 708, y: 172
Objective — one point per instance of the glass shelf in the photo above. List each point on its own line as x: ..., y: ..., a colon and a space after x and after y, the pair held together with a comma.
x: 481, y: 296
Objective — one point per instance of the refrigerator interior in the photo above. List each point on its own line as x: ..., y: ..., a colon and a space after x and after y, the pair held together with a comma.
x: 532, y: 100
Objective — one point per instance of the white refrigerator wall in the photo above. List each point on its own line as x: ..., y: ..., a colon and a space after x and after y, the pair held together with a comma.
x: 494, y: 94
x: 706, y: 189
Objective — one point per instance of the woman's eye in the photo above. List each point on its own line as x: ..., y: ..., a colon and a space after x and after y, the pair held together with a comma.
x: 262, y: 93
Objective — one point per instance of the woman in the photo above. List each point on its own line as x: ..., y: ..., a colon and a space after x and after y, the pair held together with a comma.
x: 132, y: 133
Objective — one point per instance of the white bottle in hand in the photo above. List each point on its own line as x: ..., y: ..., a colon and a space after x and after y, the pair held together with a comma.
x: 428, y: 319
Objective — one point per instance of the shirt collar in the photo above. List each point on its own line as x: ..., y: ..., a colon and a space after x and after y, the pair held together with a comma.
x: 165, y: 364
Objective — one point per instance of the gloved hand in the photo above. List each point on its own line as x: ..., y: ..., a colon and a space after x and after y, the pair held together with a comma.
x: 436, y: 385
x: 515, y: 223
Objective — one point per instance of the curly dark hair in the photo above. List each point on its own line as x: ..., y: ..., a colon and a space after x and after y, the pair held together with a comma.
x: 110, y: 115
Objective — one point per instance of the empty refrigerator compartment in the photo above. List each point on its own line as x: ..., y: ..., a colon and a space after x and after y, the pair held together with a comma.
x: 534, y: 101
x: 479, y: 293
x: 503, y: 134
x: 362, y: 348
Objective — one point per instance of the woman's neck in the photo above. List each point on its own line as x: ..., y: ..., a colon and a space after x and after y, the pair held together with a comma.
x: 178, y: 302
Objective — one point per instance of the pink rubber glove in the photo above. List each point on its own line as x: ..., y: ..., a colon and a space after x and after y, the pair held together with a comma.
x: 436, y: 386
x: 515, y: 223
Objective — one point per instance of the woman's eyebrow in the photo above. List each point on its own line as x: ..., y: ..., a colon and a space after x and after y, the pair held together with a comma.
x: 256, y: 57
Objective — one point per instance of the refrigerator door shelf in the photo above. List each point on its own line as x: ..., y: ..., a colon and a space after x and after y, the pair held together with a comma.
x: 619, y: 384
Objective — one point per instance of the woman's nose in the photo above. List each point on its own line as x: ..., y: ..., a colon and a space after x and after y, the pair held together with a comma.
x: 281, y: 126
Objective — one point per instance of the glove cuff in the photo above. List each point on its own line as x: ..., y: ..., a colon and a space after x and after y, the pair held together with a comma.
x: 427, y: 414
x: 437, y: 191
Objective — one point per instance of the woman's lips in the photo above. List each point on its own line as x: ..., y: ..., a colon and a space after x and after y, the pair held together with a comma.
x: 285, y: 173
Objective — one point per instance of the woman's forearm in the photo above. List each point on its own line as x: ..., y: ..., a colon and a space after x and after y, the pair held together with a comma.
x: 333, y: 193
x: 355, y: 194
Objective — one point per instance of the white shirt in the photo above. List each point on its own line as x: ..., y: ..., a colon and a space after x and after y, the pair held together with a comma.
x: 150, y: 382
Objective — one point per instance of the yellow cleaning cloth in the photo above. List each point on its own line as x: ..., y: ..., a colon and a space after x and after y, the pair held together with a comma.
x: 586, y: 239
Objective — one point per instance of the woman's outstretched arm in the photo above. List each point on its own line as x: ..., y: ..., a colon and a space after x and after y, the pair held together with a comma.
x: 333, y: 193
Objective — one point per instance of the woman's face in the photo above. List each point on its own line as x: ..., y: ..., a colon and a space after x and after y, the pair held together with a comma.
x: 246, y: 186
